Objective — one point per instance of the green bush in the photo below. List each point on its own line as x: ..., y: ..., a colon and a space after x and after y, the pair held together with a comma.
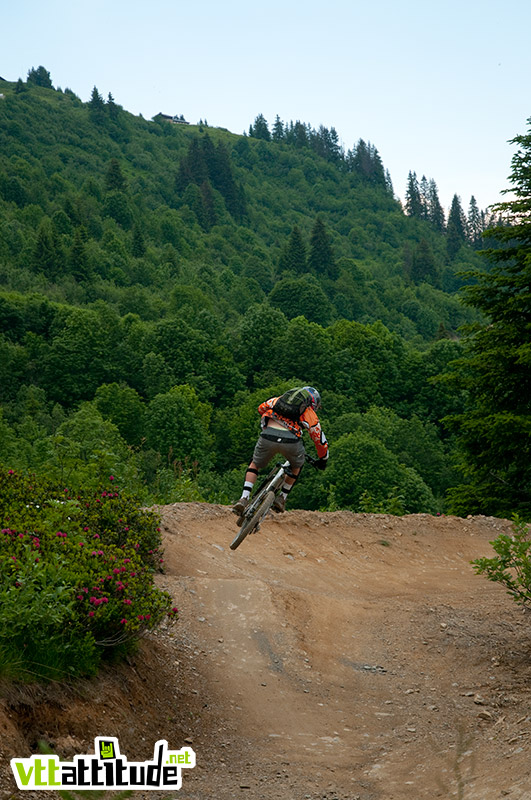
x: 77, y: 577
x: 512, y: 565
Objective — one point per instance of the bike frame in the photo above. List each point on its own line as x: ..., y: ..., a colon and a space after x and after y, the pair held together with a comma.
x: 260, y: 505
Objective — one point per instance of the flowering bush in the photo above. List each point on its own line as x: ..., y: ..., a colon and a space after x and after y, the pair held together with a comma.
x: 76, y: 576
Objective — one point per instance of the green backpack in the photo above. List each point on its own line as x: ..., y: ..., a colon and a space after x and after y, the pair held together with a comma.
x: 293, y: 403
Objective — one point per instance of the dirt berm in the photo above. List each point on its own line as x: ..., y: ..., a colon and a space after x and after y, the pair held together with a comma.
x: 333, y: 656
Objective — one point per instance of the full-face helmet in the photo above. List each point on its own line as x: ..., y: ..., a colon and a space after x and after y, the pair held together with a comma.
x: 316, y: 397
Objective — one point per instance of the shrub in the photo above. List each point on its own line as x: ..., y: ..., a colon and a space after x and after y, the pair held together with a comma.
x: 512, y: 565
x: 77, y: 576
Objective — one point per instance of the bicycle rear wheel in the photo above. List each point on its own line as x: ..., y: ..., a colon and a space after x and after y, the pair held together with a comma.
x: 253, y: 522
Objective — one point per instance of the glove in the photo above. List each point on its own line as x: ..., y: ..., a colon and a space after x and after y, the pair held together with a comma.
x: 321, y: 463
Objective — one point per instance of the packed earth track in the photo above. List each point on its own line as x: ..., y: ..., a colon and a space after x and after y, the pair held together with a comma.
x: 333, y: 656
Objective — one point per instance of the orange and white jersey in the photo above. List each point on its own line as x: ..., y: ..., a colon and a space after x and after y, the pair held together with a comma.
x: 309, y: 421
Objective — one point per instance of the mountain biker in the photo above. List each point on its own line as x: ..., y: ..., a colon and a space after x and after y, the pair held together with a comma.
x: 283, y: 434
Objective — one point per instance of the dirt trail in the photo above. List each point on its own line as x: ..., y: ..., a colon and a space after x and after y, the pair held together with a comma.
x: 333, y: 656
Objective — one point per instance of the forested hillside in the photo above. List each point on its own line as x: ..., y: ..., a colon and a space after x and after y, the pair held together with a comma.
x: 158, y: 280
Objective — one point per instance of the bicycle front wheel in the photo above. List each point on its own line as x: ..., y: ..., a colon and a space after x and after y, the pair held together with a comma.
x: 253, y: 522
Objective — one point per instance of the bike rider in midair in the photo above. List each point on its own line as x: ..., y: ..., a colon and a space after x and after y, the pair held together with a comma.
x: 283, y: 435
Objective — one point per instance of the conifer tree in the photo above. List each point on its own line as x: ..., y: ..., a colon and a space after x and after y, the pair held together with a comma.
x: 77, y: 257
x: 260, y: 129
x: 48, y: 255
x: 300, y: 136
x: 96, y: 107
x: 278, y: 130
x: 413, y: 198
x: 494, y: 432
x: 321, y: 258
x: 112, y: 108
x: 138, y: 247
x: 424, y: 191
x: 475, y: 224
x: 435, y: 209
x: 209, y: 211
x: 423, y: 264
x: 114, y: 178
x: 456, y: 229
x: 294, y: 258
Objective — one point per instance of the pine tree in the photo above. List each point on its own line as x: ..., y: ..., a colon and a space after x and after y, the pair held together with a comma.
x: 209, y: 211
x: 114, y: 178
x: 494, y: 433
x: 300, y: 136
x: 260, y: 129
x: 47, y: 256
x: 475, y: 224
x: 424, y: 191
x: 435, y: 209
x: 423, y: 265
x: 96, y: 107
x: 321, y: 258
x: 293, y: 258
x: 413, y: 198
x: 278, y: 130
x: 77, y: 257
x: 112, y: 108
x: 138, y: 246
x: 456, y: 230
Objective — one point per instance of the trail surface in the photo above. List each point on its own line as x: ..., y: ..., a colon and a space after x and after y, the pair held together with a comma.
x: 333, y: 656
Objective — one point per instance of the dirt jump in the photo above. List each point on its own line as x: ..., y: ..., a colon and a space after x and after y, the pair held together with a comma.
x: 332, y: 656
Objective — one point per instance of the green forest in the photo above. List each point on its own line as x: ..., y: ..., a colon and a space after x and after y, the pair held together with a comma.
x: 159, y: 279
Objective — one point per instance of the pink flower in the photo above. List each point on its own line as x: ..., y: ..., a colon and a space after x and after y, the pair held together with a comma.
x: 111, y: 477
x: 123, y: 621
x: 96, y: 536
x: 91, y: 613
x: 127, y: 601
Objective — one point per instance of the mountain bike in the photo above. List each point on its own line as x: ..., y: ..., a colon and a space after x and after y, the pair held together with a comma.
x: 262, y: 502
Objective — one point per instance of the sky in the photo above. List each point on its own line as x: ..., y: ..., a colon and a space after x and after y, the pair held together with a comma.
x: 438, y: 88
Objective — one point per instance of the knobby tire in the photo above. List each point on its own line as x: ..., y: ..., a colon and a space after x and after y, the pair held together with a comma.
x: 253, y: 522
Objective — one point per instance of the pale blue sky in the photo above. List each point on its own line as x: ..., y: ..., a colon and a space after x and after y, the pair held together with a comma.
x: 438, y: 88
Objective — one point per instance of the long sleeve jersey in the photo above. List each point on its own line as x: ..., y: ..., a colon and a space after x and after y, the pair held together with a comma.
x: 308, y: 421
